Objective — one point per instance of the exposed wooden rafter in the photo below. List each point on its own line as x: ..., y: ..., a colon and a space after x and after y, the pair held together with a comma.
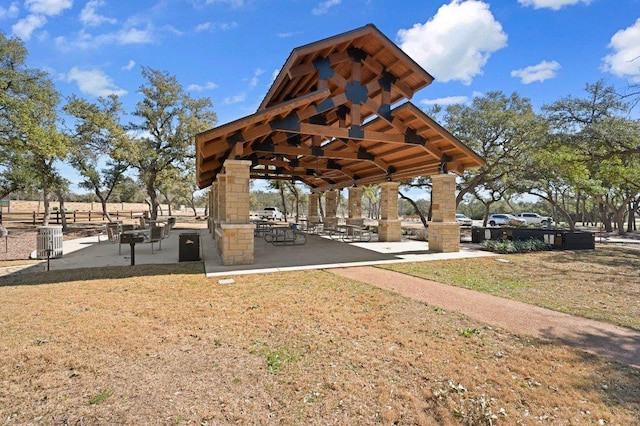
x: 327, y: 120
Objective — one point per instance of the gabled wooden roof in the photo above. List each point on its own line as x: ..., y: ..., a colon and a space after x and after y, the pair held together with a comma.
x: 328, y: 121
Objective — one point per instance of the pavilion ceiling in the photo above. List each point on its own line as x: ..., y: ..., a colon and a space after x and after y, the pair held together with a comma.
x: 328, y: 121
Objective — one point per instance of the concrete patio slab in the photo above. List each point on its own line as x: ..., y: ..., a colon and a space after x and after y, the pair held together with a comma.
x: 318, y: 253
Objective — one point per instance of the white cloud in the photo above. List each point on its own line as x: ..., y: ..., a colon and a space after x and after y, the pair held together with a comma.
x: 203, y: 27
x: 457, y: 42
x: 449, y: 100
x: 9, y: 12
x: 133, y: 36
x: 210, y: 26
x: 90, y: 17
x: 235, y: 99
x: 540, y: 72
x: 48, y: 7
x: 26, y: 26
x: 551, y: 4
x: 209, y: 85
x: 625, y: 59
x: 84, y: 40
x: 323, y: 7
x: 233, y: 3
x: 129, y: 65
x: 94, y: 82
x: 288, y: 35
x: 253, y: 82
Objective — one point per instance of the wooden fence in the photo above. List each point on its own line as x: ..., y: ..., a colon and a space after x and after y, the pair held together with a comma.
x: 35, y: 218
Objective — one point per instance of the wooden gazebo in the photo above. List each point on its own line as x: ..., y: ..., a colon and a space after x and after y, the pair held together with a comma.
x: 330, y: 120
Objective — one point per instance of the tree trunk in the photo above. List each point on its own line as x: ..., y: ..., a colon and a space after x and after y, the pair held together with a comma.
x: 103, y: 203
x: 284, y: 204
x: 415, y: 207
x: 631, y: 220
x: 154, y: 204
x: 320, y: 208
x: 46, y: 204
x: 487, y: 207
x: 605, y: 218
x: 63, y: 213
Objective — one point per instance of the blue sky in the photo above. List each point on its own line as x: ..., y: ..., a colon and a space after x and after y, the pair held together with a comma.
x: 230, y: 50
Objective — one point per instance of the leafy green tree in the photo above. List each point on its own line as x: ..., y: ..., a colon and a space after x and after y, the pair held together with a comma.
x: 371, y: 194
x: 168, y: 121
x: 16, y: 175
x: 600, y: 149
x: 128, y: 190
x: 98, y: 140
x: 28, y: 118
x: 499, y: 128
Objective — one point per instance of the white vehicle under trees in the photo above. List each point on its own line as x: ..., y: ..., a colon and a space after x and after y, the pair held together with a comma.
x: 271, y: 213
x: 536, y: 219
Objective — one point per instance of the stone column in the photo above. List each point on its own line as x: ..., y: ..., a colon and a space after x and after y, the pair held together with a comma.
x: 444, y: 231
x: 312, y: 216
x: 355, y: 207
x: 389, y: 228
x: 213, y: 208
x: 330, y: 209
x: 234, y: 235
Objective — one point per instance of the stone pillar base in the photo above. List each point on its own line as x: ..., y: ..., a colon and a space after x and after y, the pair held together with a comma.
x: 444, y: 237
x: 355, y: 221
x: 235, y: 243
x: 314, y: 219
x: 330, y: 222
x: 389, y: 230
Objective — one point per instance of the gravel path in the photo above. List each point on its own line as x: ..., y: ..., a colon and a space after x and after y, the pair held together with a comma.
x: 18, y: 245
x: 619, y: 343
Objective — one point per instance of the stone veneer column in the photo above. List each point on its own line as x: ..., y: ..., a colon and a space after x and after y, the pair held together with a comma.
x: 355, y: 207
x: 312, y: 216
x: 213, y: 208
x: 234, y: 233
x: 389, y: 228
x: 331, y: 209
x: 444, y: 231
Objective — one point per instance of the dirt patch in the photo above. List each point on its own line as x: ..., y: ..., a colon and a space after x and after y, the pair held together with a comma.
x: 22, y: 240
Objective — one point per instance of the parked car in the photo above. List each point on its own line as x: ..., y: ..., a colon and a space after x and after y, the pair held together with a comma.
x: 463, y: 220
x: 505, y: 219
x: 536, y: 219
x: 271, y: 213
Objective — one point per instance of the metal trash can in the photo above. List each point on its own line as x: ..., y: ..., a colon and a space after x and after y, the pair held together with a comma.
x: 49, y: 242
x: 189, y: 247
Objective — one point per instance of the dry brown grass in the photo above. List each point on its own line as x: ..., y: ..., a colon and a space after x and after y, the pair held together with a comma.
x: 603, y: 284
x: 165, y: 345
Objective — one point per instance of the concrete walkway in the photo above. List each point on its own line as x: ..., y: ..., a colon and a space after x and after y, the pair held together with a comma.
x: 618, y: 343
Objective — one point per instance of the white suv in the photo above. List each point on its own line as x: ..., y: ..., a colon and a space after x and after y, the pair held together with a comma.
x: 505, y: 219
x: 536, y: 219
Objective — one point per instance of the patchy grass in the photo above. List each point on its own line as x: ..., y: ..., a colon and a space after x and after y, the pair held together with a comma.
x: 173, y: 347
x: 603, y: 284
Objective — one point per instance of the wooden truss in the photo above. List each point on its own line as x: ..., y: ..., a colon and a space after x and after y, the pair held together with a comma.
x: 328, y: 121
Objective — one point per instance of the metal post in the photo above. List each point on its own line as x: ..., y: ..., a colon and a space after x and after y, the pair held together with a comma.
x: 133, y: 253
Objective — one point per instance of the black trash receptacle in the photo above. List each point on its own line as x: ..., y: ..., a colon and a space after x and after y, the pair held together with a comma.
x: 189, y: 247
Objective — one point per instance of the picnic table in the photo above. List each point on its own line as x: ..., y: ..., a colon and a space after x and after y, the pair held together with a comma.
x: 284, y: 235
x: 350, y: 233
